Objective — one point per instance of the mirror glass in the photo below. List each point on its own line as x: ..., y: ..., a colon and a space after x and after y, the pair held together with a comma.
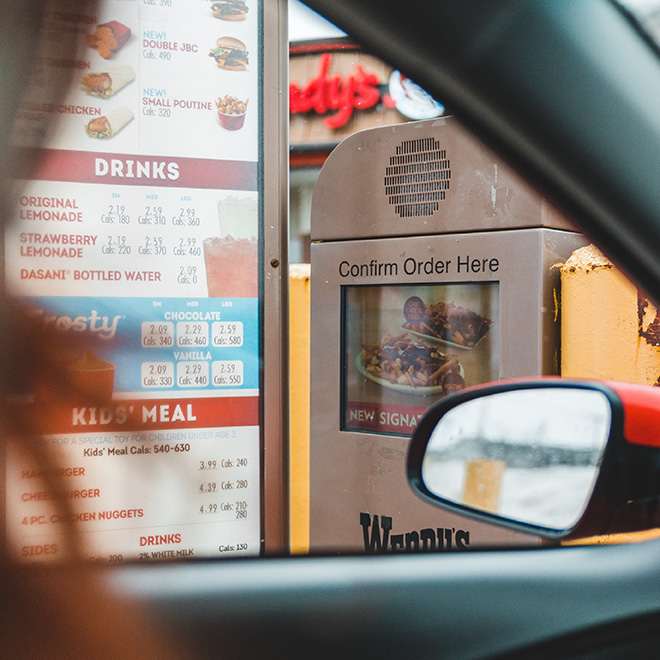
x: 527, y: 455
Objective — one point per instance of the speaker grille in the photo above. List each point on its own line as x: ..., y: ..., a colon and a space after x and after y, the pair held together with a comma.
x: 417, y: 178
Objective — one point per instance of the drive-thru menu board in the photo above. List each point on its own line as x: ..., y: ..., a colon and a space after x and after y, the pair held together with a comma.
x: 140, y: 229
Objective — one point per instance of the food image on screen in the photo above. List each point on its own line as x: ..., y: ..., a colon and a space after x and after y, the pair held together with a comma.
x: 450, y: 323
x: 396, y: 359
x: 403, y: 362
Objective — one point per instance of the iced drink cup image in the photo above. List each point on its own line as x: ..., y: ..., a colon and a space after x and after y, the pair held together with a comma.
x: 232, y: 257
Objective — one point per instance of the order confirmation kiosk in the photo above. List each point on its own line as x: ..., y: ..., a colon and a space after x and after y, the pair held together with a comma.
x: 432, y: 270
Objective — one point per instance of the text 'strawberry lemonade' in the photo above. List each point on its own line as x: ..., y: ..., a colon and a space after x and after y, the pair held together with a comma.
x: 232, y: 258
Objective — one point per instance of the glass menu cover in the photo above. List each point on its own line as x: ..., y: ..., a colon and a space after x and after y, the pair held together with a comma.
x: 407, y: 346
x: 140, y: 232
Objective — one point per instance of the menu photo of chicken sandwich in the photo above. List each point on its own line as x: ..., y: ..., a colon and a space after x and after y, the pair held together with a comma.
x: 109, y: 125
x: 108, y: 82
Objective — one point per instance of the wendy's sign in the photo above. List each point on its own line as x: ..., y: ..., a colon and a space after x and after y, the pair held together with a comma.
x: 325, y: 94
x: 336, y: 97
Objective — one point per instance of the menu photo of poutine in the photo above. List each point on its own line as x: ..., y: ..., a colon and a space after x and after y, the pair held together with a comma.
x: 445, y: 323
x: 231, y: 112
x: 410, y: 366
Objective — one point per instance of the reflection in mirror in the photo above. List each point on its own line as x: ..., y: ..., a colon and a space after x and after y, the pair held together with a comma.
x: 528, y: 455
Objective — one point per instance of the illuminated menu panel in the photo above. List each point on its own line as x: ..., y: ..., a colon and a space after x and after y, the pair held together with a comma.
x: 140, y: 230
x: 405, y: 347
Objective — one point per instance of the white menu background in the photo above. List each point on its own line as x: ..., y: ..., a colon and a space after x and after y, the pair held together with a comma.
x: 108, y: 239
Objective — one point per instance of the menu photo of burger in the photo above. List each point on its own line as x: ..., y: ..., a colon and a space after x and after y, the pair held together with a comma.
x: 230, y: 54
x: 230, y: 10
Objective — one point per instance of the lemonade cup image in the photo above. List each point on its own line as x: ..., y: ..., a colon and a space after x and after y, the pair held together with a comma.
x: 232, y: 257
x: 231, y: 267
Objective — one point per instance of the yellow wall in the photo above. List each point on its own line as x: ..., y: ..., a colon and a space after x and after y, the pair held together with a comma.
x: 299, y: 358
x: 594, y: 291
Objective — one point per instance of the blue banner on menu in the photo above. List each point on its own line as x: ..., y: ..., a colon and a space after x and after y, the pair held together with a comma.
x: 161, y: 345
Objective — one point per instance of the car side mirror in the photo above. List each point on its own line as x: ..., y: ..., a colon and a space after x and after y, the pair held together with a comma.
x: 552, y: 457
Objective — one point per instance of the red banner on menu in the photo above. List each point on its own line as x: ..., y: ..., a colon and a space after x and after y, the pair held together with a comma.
x: 130, y: 414
x: 136, y: 170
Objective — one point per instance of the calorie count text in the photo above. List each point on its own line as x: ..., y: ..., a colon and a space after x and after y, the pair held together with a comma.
x: 224, y: 373
x: 227, y: 372
x: 220, y: 478
x: 176, y: 553
x: 227, y: 334
x: 186, y: 334
x: 175, y: 223
x: 118, y: 245
x: 155, y: 216
x: 151, y: 215
x: 190, y: 373
x: 211, y: 485
x: 194, y: 335
x: 238, y: 509
x: 156, y: 45
x: 158, y: 335
x: 232, y: 510
x: 157, y: 374
x: 162, y: 334
x: 116, y: 214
